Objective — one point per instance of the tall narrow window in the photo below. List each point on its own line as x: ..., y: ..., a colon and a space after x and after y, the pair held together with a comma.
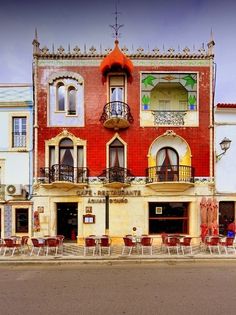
x: 52, y: 157
x: 116, y: 154
x: 0, y: 175
x: 60, y: 97
x: 80, y: 156
x: 71, y: 101
x: 117, y: 94
x: 66, y: 152
x: 19, y: 132
x: 167, y: 164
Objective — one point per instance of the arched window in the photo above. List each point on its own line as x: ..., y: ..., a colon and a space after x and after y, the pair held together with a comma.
x: 60, y: 97
x: 167, y: 164
x: 66, y: 152
x: 116, y: 154
x: 71, y: 101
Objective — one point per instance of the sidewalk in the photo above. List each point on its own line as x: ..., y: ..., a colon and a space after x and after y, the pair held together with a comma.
x: 74, y: 254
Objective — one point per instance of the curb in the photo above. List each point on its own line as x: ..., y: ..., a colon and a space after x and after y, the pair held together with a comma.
x: 60, y: 260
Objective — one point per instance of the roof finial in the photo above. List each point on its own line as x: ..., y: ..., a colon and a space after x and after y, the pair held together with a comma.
x: 116, y: 26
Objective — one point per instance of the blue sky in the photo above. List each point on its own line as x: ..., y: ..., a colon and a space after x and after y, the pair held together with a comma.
x: 149, y: 24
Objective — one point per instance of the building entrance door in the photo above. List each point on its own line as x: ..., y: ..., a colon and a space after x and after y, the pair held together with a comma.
x: 226, y: 215
x: 67, y: 220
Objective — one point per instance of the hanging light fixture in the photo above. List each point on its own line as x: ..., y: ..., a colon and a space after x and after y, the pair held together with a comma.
x: 225, y: 145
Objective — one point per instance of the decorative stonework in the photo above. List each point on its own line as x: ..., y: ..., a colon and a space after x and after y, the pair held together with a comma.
x: 65, y: 74
x: 168, y: 118
x: 169, y: 133
x: 65, y: 134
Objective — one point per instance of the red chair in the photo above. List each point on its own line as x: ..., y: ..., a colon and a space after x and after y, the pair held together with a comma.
x: 128, y: 244
x: 186, y: 244
x: 172, y: 243
x: 213, y: 243
x: 164, y: 238
x: 52, y: 244
x: 24, y: 243
x: 227, y: 243
x: 90, y: 243
x: 2, y: 246
x: 146, y: 242
x: 105, y: 243
x: 11, y: 245
x: 61, y: 239
x: 38, y: 245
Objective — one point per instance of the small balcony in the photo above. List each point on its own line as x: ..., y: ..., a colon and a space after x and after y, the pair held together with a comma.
x: 116, y: 177
x: 116, y: 115
x: 64, y: 176
x: 170, y: 178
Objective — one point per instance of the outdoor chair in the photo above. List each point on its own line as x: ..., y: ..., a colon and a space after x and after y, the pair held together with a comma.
x: 37, y: 245
x: 24, y: 243
x: 90, y: 243
x: 172, y: 243
x: 2, y: 246
x: 61, y: 240
x: 52, y: 244
x: 11, y: 245
x: 146, y: 242
x: 128, y: 244
x: 105, y: 243
x: 186, y: 244
x: 164, y: 238
x: 213, y: 243
x: 228, y: 243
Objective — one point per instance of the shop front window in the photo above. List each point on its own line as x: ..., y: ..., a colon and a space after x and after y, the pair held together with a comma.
x: 168, y: 217
x: 22, y: 220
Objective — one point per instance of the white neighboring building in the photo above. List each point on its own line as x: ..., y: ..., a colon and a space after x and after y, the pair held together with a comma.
x: 16, y: 123
x: 225, y: 166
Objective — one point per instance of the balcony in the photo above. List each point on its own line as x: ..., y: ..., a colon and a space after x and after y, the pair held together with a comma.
x: 116, y: 115
x: 64, y: 176
x: 116, y: 177
x: 170, y: 178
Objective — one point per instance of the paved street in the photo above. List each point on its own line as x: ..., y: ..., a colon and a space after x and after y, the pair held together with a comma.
x: 130, y: 288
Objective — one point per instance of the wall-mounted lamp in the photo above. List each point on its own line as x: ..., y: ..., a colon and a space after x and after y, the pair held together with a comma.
x: 225, y: 145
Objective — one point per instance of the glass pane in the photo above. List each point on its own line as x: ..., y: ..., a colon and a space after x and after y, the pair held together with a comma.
x: 66, y: 142
x: 61, y: 97
x: 72, y: 102
x: 116, y: 94
x: 80, y: 156
x: 51, y: 156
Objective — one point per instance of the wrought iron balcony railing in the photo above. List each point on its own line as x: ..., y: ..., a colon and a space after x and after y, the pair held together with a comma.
x: 170, y: 173
x: 162, y: 117
x: 116, y: 174
x: 65, y: 173
x: 116, y: 109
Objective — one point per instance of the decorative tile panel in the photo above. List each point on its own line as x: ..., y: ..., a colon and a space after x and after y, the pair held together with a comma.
x: 8, y: 220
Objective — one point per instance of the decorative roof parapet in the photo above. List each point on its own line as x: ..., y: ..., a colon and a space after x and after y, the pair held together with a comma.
x: 92, y: 52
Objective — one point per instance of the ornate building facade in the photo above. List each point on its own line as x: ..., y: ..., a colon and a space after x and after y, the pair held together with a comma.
x: 122, y: 140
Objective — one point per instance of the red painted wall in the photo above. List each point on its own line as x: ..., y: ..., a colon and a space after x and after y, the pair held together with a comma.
x: 138, y: 138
